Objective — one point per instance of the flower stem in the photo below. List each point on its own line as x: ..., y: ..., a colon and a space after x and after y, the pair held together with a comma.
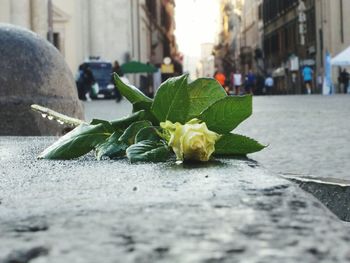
x: 54, y: 115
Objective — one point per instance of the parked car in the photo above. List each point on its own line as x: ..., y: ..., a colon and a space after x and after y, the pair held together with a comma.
x: 102, y: 71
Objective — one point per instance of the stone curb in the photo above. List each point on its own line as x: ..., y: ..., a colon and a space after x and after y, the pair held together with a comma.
x: 110, y: 211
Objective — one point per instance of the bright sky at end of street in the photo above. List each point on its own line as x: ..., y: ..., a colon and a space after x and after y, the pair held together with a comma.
x: 196, y: 23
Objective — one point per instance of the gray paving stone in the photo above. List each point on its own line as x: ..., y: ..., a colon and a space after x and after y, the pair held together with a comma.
x: 307, y: 135
x: 110, y: 211
x: 333, y: 193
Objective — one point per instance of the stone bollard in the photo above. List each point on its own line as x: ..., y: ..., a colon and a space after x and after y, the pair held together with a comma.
x: 32, y: 71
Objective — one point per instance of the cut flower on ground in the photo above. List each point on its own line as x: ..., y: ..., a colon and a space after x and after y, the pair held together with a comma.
x: 193, y: 120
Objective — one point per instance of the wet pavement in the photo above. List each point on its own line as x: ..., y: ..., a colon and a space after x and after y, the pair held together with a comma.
x: 110, y: 211
x: 307, y: 135
x: 228, y: 210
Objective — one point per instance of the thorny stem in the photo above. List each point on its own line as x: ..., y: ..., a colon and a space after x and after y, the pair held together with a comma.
x: 54, y: 115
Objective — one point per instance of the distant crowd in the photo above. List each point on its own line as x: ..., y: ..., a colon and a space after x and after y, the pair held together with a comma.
x: 237, y: 83
x: 250, y: 83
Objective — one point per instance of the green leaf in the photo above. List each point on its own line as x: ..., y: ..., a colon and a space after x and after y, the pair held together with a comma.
x: 172, y: 100
x: 125, y: 122
x: 105, y: 123
x: 203, y: 92
x: 148, y: 114
x: 130, y: 92
x: 76, y: 143
x: 147, y: 134
x: 111, y: 148
x: 98, y: 121
x: 226, y: 114
x: 141, y: 105
x: 234, y: 144
x: 148, y: 151
x: 130, y: 133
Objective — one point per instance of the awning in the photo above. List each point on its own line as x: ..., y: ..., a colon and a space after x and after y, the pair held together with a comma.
x: 137, y: 67
x: 342, y: 59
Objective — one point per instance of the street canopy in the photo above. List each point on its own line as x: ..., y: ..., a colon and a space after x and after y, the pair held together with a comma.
x: 342, y: 59
x: 138, y: 67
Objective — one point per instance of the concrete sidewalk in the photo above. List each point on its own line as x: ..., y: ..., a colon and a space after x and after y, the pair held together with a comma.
x: 110, y: 211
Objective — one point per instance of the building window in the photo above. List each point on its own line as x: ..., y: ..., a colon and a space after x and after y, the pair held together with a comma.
x: 152, y: 8
x: 311, y: 26
x: 272, y: 9
x: 56, y: 40
x: 260, y: 12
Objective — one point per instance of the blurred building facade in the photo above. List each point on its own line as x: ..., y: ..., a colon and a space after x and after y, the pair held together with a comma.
x: 31, y: 14
x: 332, y: 30
x: 308, y: 29
x: 206, y: 65
x: 289, y: 41
x: 122, y: 30
x: 252, y: 35
x: 161, y: 16
x: 227, y: 48
x: 280, y: 37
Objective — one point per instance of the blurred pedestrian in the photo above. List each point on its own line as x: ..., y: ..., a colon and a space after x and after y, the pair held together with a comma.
x: 79, y: 80
x: 260, y: 83
x: 308, y: 77
x: 344, y: 80
x: 220, y: 77
x: 237, y: 82
x: 320, y: 81
x: 232, y: 81
x: 88, y: 81
x: 269, y: 85
x: 339, y: 80
x: 250, y: 81
x: 117, y: 69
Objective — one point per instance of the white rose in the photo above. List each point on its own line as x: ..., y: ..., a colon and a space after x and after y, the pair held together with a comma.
x: 192, y: 141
